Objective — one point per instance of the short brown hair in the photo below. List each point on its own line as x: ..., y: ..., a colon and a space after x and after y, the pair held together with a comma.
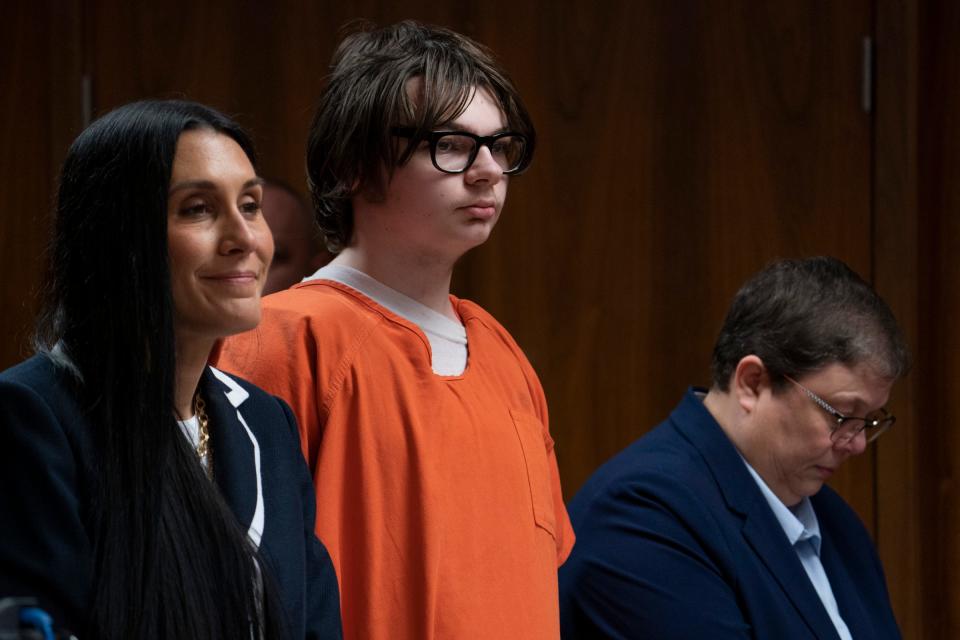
x: 350, y: 147
x: 799, y: 316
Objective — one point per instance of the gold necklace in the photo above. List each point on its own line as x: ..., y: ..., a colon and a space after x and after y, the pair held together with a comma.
x: 203, y: 442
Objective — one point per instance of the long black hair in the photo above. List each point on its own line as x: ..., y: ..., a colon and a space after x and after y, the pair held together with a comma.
x: 170, y: 560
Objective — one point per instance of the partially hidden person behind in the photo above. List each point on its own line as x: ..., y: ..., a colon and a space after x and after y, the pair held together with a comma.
x: 145, y: 494
x: 717, y: 524
x: 425, y: 426
x: 298, y: 248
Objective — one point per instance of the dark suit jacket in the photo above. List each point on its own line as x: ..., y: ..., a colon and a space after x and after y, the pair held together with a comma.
x: 46, y: 462
x: 676, y: 541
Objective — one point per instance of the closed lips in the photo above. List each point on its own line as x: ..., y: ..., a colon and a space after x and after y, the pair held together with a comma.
x: 232, y: 276
x: 484, y: 204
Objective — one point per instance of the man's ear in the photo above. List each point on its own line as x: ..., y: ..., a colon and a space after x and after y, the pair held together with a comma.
x: 750, y: 379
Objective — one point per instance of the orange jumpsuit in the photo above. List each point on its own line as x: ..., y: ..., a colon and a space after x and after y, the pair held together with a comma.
x: 438, y: 497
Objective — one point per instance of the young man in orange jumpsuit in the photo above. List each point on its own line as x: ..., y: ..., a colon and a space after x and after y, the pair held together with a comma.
x: 425, y: 426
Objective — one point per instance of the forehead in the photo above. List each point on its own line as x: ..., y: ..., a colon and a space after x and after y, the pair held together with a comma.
x: 480, y: 105
x: 482, y: 115
x: 860, y: 383
x: 207, y: 154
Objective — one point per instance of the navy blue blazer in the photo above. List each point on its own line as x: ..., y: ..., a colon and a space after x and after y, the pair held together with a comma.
x: 676, y: 541
x: 46, y: 462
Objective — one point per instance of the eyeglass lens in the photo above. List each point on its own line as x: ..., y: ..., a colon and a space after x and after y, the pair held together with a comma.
x: 455, y: 152
x: 874, y: 425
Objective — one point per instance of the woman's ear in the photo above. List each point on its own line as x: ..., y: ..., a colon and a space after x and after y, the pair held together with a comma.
x: 750, y: 379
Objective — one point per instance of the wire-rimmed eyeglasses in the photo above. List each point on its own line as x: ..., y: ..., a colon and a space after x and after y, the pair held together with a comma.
x: 846, y: 428
x: 455, y: 151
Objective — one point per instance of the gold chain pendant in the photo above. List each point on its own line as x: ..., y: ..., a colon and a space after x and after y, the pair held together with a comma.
x: 203, y: 444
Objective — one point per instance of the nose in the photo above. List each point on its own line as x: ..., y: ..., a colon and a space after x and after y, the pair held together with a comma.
x: 855, y: 445
x: 236, y: 233
x: 484, y: 168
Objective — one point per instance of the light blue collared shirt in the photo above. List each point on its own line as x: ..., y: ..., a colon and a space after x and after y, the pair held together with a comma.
x: 803, y: 531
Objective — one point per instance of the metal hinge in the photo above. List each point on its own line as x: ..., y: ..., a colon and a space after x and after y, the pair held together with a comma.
x: 866, y: 89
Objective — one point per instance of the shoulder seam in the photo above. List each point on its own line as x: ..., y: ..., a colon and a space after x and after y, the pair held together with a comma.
x: 344, y: 366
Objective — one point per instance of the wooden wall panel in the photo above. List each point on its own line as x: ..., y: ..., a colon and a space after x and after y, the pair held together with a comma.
x: 39, y: 115
x: 931, y: 498
x: 262, y: 62
x: 683, y: 146
x: 903, y: 543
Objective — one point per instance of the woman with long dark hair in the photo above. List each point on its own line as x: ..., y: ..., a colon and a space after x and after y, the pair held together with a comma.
x: 144, y: 494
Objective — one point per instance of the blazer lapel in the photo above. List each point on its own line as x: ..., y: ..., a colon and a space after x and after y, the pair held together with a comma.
x: 761, y: 529
x: 764, y: 533
x: 845, y: 590
x: 235, y: 451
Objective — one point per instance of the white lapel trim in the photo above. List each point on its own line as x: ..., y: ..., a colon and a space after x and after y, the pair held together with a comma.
x: 235, y: 396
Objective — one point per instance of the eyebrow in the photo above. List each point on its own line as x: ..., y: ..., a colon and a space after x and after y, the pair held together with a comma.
x: 454, y: 125
x: 860, y: 404
x: 209, y: 184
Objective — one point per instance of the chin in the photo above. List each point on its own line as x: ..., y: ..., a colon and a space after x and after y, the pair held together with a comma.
x: 813, y: 490
x: 477, y: 238
x: 241, y: 324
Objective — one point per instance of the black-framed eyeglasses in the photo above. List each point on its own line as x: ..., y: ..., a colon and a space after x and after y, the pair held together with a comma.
x: 455, y: 151
x: 846, y: 428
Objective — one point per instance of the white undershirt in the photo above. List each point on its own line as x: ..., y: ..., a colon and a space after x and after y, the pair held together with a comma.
x: 447, y: 338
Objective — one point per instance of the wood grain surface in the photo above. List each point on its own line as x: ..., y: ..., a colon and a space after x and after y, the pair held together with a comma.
x: 683, y: 145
